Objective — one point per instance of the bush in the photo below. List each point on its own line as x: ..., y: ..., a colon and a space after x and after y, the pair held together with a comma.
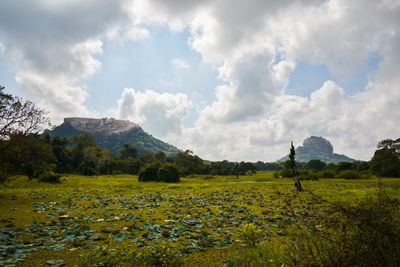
x: 307, y: 175
x: 364, y: 234
x: 50, y: 177
x: 349, y: 174
x: 328, y: 174
x: 276, y: 175
x: 286, y: 173
x: 149, y: 173
x: 168, y: 173
x: 161, y: 173
x: 251, y: 235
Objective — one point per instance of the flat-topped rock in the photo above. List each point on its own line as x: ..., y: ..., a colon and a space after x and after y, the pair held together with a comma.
x: 106, y: 126
x: 318, y: 144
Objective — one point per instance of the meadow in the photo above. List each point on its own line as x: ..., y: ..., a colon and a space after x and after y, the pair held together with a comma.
x: 114, y: 220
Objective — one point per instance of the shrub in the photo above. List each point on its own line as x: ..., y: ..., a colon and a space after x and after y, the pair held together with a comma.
x: 286, y: 173
x: 50, y: 177
x: 149, y: 173
x: 251, y: 235
x: 168, y: 173
x: 349, y: 174
x: 276, y: 175
x: 328, y: 174
x: 364, y: 234
x: 307, y: 175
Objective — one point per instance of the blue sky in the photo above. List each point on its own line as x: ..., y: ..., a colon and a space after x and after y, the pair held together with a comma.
x: 228, y: 80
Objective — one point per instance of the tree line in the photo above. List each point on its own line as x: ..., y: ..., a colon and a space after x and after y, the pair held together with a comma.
x: 24, y: 151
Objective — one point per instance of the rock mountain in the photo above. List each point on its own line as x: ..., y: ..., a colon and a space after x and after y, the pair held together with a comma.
x: 315, y: 147
x: 112, y: 134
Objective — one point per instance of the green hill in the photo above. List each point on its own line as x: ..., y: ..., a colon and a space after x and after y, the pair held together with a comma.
x: 112, y: 134
x: 315, y: 147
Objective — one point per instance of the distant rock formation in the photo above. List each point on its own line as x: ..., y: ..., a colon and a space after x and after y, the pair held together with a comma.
x: 112, y: 134
x: 315, y: 147
x: 107, y: 126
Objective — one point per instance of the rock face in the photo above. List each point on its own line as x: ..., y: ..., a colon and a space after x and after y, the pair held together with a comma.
x: 112, y: 134
x: 318, y: 144
x: 315, y: 147
x: 107, y: 126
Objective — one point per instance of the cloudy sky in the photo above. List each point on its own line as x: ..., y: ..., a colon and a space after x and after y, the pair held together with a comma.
x: 228, y: 79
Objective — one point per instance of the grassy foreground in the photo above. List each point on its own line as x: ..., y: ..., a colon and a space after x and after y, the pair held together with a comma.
x: 202, y: 221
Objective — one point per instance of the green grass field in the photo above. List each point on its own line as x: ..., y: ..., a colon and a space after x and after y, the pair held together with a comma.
x: 202, y: 221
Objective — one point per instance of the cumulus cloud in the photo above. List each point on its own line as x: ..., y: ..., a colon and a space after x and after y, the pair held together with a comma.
x: 254, y: 46
x: 53, y: 47
x: 159, y: 114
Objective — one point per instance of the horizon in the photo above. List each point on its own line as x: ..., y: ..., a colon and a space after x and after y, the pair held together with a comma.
x: 182, y: 149
x: 225, y: 79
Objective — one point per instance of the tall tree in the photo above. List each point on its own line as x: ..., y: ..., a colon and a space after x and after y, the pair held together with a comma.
x: 386, y: 159
x: 29, y: 154
x: 19, y: 115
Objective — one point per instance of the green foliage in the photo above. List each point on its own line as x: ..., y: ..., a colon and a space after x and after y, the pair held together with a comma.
x: 344, y: 165
x: 386, y: 160
x: 168, y: 173
x: 28, y: 154
x: 128, y: 151
x: 328, y: 174
x: 251, y: 235
x: 50, y: 177
x: 129, y: 165
x: 156, y: 171
x: 188, y: 162
x: 262, y: 255
x: 349, y: 174
x: 316, y: 164
x: 59, y: 146
x: 364, y: 234
x: 286, y: 173
x: 161, y: 256
x: 149, y: 172
x: 308, y: 175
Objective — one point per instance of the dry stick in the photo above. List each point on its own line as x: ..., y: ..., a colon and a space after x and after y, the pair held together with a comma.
x: 294, y: 169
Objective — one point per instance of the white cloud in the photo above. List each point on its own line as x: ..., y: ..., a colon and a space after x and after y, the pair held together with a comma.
x: 254, y: 46
x: 180, y: 63
x: 159, y: 114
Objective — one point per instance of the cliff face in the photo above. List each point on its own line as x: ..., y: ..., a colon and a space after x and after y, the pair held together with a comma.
x: 112, y: 134
x: 315, y: 147
x: 318, y: 145
x: 106, y: 126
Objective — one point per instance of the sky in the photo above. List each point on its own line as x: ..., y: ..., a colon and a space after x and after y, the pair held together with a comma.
x: 227, y: 79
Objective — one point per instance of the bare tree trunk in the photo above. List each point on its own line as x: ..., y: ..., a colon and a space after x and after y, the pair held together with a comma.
x: 294, y: 169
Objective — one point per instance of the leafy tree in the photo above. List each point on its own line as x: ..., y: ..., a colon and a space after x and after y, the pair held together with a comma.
x: 386, y: 159
x: 188, y: 162
x: 161, y: 157
x: 19, y: 115
x: 130, y: 165
x: 344, y: 165
x: 60, y: 150
x: 29, y: 154
x: 169, y: 173
x: 147, y: 158
x: 316, y: 164
x: 128, y: 150
x: 150, y: 172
